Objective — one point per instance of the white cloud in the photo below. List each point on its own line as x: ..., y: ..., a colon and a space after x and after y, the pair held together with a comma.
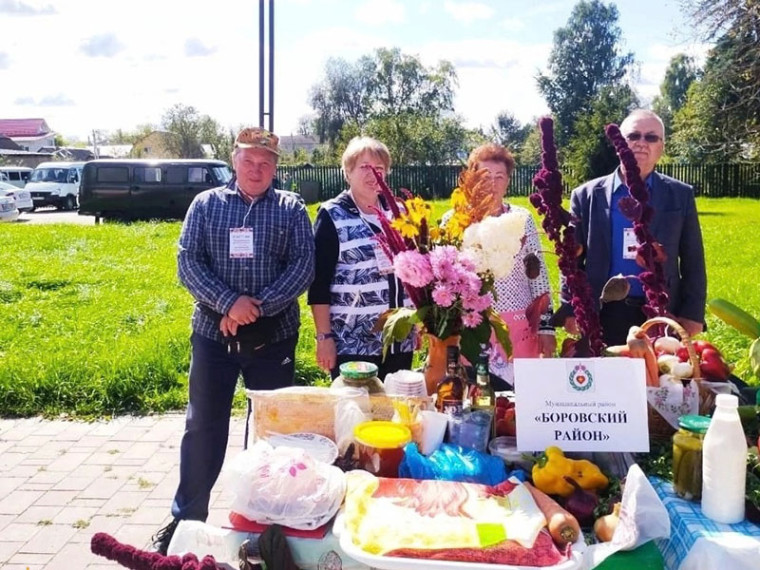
x: 18, y: 8
x: 196, y: 48
x: 467, y: 12
x: 102, y: 45
x: 379, y: 12
x: 494, y: 75
x: 512, y: 24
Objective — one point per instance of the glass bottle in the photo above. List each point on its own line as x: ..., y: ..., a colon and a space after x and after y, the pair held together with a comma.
x: 687, y: 456
x: 484, y: 397
x: 724, y: 463
x: 452, y: 388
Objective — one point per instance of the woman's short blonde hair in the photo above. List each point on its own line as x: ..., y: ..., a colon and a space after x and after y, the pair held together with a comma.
x: 360, y: 145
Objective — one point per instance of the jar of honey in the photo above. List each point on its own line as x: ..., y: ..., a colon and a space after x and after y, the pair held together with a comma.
x: 381, y: 446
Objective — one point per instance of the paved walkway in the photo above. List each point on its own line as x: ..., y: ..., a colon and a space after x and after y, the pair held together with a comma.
x: 61, y: 482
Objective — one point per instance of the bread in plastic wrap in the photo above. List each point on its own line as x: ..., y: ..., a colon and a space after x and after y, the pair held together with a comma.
x: 311, y: 409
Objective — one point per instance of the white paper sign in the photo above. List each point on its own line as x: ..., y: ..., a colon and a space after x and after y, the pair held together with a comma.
x: 581, y: 404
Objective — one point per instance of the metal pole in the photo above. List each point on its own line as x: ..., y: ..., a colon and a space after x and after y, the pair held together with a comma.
x: 271, y: 66
x: 261, y: 63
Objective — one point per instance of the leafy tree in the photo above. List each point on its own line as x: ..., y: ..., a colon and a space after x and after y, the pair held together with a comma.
x: 589, y: 154
x: 190, y: 130
x: 393, y: 97
x: 721, y: 119
x: 681, y: 72
x: 342, y: 96
x: 585, y: 58
x: 509, y: 132
x: 120, y: 136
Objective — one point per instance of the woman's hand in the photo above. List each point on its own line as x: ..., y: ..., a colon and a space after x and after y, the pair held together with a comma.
x: 327, y: 355
x: 547, y: 345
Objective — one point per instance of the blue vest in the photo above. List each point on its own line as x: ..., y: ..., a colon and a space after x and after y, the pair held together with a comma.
x: 359, y: 293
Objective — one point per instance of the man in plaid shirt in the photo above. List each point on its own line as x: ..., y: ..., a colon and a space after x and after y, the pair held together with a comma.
x: 246, y: 253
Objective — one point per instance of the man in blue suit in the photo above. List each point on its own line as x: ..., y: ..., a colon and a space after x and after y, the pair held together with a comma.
x: 609, y: 245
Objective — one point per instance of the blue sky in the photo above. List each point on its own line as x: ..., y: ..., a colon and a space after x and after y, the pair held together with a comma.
x: 95, y: 64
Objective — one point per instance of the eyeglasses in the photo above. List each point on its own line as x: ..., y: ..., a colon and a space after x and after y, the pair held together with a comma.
x: 649, y: 137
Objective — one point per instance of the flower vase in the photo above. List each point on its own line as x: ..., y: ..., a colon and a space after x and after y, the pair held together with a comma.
x: 435, y: 363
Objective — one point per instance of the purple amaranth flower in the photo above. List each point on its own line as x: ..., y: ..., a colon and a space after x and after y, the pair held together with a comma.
x: 556, y: 223
x: 637, y: 209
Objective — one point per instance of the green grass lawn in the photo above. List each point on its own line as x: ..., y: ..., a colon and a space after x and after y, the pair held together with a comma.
x: 94, y: 321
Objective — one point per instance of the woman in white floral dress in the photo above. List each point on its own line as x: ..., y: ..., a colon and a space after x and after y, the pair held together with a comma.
x: 531, y: 336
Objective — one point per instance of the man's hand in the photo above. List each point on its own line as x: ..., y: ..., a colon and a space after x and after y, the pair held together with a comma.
x: 547, y: 345
x: 692, y: 327
x: 571, y: 326
x: 327, y: 354
x: 245, y: 310
x: 228, y: 326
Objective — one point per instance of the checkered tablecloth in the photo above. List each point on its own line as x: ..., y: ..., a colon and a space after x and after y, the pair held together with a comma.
x: 689, y: 525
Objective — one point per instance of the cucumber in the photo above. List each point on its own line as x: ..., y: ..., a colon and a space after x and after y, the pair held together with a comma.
x: 738, y: 318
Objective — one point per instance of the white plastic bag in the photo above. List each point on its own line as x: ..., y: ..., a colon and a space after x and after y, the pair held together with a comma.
x: 284, y: 486
x: 348, y: 414
x: 643, y: 517
x: 204, y: 539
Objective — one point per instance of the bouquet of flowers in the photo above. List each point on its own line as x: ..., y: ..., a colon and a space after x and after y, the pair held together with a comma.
x: 448, y: 269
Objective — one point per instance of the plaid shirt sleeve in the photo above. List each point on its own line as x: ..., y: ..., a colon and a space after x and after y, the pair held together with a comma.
x: 193, y: 263
x: 299, y: 271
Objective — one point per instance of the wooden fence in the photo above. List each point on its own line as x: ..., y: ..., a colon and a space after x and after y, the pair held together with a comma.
x: 318, y: 183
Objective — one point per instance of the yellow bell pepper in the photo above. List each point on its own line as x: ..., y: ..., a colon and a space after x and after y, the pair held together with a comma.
x: 552, y: 467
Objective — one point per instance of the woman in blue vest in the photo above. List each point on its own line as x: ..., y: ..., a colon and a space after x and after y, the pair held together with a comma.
x: 354, y: 281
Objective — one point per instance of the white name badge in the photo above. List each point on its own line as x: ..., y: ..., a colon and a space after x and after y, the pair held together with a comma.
x: 581, y: 404
x: 241, y: 243
x: 630, y: 244
x: 384, y: 264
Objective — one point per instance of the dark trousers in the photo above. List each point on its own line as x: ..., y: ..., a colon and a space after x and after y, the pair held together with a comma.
x: 392, y: 363
x: 213, y: 377
x: 617, y: 317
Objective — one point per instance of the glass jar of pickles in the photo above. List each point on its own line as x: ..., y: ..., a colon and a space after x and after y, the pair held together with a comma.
x: 687, y: 456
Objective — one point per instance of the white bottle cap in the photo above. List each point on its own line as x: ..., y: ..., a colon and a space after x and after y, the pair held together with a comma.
x: 726, y: 401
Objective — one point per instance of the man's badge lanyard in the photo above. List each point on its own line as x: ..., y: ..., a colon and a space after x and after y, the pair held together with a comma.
x: 241, y: 239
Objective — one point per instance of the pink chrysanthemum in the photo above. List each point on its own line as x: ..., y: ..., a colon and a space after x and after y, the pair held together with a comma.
x: 471, y: 319
x: 443, y: 260
x: 413, y: 267
x: 443, y: 295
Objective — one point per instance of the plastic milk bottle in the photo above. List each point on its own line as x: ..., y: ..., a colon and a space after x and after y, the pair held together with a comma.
x: 724, y: 463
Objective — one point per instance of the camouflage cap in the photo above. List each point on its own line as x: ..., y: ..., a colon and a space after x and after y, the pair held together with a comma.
x: 256, y: 137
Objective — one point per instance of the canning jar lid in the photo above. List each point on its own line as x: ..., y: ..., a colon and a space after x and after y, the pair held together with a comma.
x: 382, y: 435
x: 358, y: 370
x: 694, y: 423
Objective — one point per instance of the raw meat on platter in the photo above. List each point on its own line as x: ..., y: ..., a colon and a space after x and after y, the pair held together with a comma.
x: 448, y: 521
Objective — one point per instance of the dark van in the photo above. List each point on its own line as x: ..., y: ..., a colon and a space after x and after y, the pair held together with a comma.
x: 133, y: 189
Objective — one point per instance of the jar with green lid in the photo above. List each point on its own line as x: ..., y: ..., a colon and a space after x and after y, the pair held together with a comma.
x: 359, y: 374
x: 687, y: 456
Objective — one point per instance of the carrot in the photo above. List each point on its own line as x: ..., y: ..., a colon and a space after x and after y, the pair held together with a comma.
x: 563, y: 526
x: 641, y: 346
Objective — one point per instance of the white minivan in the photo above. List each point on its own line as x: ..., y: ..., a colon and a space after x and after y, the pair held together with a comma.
x: 56, y: 184
x: 16, y: 175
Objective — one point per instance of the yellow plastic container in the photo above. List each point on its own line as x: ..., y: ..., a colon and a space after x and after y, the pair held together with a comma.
x: 381, y: 446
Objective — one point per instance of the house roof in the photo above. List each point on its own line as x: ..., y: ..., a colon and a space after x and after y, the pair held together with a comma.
x: 24, y: 127
x: 7, y: 143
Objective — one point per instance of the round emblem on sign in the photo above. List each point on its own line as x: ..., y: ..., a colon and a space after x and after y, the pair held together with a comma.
x: 581, y: 378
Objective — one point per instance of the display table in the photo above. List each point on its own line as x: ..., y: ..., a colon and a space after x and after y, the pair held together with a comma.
x: 698, y: 543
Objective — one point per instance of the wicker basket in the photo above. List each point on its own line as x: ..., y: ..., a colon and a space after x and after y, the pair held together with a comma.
x: 659, y: 427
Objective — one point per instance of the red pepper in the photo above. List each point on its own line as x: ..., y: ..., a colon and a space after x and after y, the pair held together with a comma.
x: 713, y: 366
